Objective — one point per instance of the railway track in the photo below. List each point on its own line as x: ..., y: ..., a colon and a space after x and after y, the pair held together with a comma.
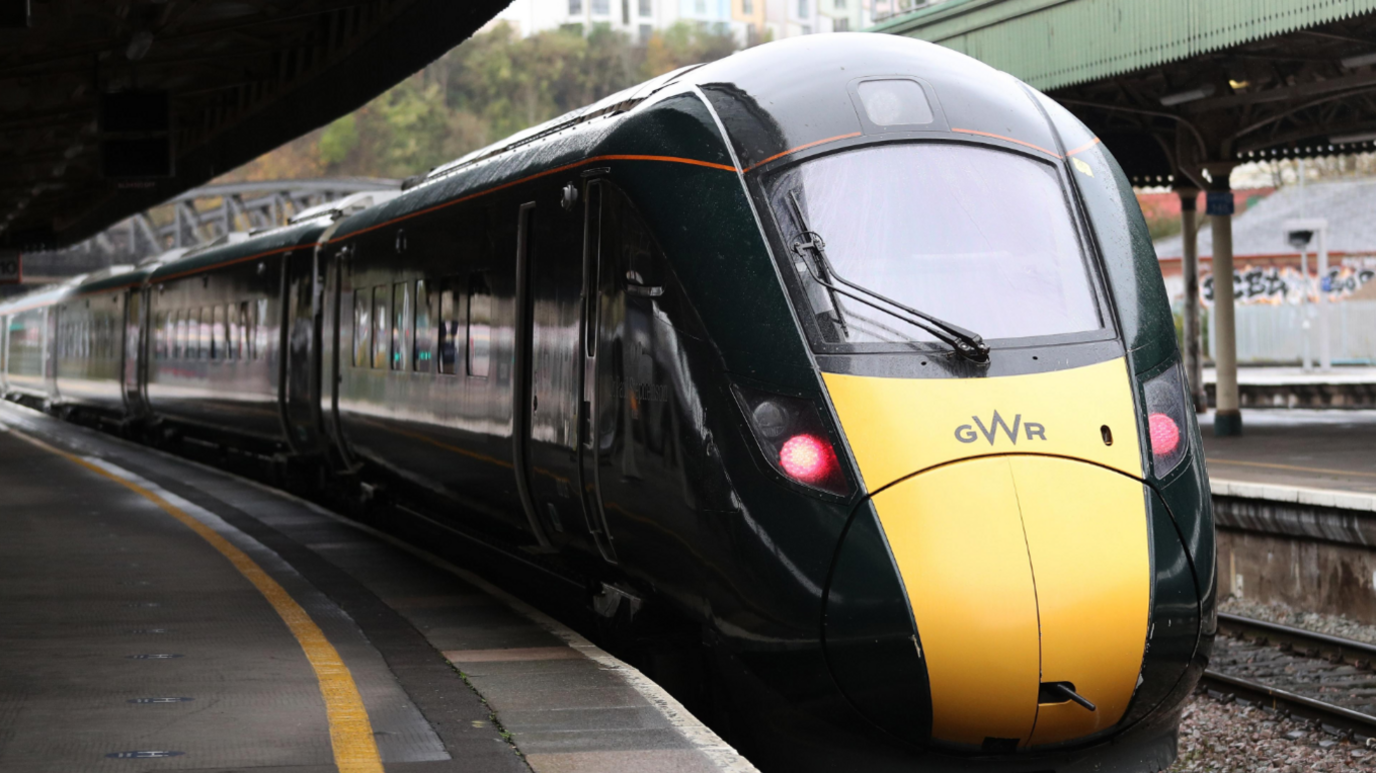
x: 1325, y: 679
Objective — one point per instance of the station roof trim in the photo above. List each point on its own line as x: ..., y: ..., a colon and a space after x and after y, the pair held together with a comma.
x: 1055, y: 43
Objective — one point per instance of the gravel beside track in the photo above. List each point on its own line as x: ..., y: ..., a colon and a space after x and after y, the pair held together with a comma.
x: 1232, y: 738
x: 1229, y: 738
x: 1333, y: 625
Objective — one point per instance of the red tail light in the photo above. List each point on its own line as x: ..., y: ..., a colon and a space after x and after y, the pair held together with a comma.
x: 1167, y: 420
x: 793, y: 439
x: 1165, y: 434
x: 807, y: 459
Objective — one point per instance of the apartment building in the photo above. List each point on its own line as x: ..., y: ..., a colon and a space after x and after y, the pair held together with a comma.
x: 750, y: 21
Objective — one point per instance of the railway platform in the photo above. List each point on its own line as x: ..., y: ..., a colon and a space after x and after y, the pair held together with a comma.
x: 1317, y: 449
x: 1295, y: 503
x: 164, y: 616
x: 1343, y: 386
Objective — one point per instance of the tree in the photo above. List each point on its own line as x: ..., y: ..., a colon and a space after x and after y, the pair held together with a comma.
x: 491, y: 86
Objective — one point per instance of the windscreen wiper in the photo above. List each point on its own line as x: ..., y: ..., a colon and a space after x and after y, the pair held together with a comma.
x: 964, y: 342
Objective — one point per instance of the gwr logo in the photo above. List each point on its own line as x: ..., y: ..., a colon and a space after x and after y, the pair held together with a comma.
x: 967, y: 434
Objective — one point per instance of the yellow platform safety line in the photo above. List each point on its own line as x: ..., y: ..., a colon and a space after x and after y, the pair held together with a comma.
x: 351, y: 733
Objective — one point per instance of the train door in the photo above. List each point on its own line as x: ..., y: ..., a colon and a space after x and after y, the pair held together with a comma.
x: 633, y: 452
x: 4, y: 356
x: 333, y: 301
x: 300, y: 336
x: 589, y: 471
x: 528, y: 384
x: 133, y: 327
x: 50, y: 317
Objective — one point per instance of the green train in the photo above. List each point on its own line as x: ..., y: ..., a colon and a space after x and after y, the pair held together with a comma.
x: 848, y: 350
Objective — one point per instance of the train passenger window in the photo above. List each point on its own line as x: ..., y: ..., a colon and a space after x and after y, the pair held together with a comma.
x: 479, y: 326
x: 245, y: 332
x: 178, y: 332
x: 217, y: 332
x: 232, y: 336
x: 425, y: 336
x: 193, y: 334
x: 203, y: 335
x: 381, y: 323
x: 449, y: 326
x: 401, y: 325
x: 192, y: 348
x: 260, y: 330
x: 363, y: 325
x: 160, y: 336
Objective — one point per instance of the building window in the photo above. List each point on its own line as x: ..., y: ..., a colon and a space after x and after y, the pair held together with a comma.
x: 839, y: 5
x: 802, y: 10
x: 807, y: 29
x: 575, y: 7
x: 700, y: 7
x: 479, y: 326
x: 646, y: 8
x: 601, y: 7
x: 748, y: 7
x: 840, y: 25
x: 646, y: 31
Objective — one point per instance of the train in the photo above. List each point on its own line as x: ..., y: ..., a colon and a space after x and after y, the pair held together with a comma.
x: 850, y: 351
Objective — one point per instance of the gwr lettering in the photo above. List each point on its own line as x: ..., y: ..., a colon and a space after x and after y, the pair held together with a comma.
x: 966, y: 433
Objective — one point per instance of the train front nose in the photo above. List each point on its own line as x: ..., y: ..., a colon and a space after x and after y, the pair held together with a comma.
x: 1025, y: 575
x: 1012, y: 514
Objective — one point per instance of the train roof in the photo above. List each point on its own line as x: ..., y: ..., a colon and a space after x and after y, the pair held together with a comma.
x: 115, y: 277
x: 238, y: 250
x: 45, y: 295
x: 773, y: 100
x: 801, y: 92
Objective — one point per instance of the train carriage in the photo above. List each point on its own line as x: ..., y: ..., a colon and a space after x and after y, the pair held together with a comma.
x: 849, y: 351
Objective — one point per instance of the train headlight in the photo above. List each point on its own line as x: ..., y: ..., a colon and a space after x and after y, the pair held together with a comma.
x: 793, y: 439
x: 1166, y: 420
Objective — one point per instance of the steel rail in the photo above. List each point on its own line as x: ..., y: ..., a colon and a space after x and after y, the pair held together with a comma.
x: 1330, y: 646
x: 1333, y: 718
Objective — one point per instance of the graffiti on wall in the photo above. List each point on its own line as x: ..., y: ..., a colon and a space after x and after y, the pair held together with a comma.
x: 1287, y: 285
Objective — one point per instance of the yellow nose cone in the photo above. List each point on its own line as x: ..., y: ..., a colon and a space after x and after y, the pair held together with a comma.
x: 1023, y: 570
x: 1021, y: 540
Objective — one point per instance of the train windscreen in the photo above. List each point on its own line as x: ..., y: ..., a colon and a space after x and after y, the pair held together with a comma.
x: 980, y: 238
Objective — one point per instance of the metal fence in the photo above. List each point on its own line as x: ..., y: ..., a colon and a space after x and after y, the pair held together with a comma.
x: 1276, y: 334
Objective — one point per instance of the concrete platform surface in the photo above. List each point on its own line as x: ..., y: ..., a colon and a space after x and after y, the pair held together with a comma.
x: 157, y: 615
x: 1278, y: 375
x: 1332, y: 450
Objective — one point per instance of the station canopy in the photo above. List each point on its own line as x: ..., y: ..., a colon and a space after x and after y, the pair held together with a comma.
x: 108, y: 108
x: 1182, y: 87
